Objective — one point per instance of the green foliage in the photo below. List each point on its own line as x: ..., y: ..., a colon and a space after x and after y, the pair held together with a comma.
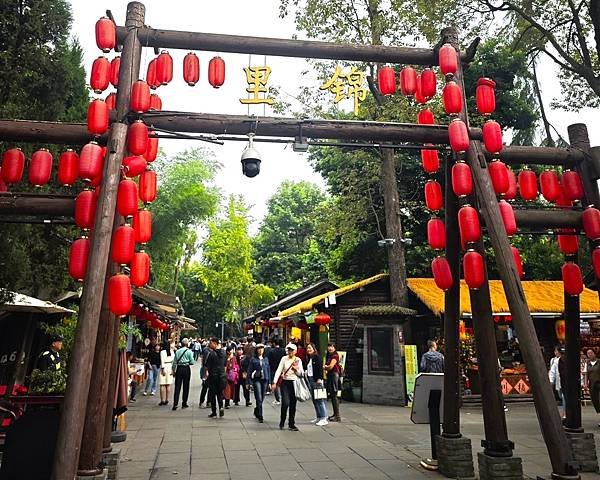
x: 66, y: 329
x: 48, y: 382
x: 125, y: 330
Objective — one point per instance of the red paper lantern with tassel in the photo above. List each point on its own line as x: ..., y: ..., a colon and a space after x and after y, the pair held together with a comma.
x: 436, y: 234
x: 127, y: 198
x: 148, y: 186
x: 433, y: 196
x: 151, y: 79
x: 550, y: 185
x: 528, y: 185
x: 492, y: 137
x: 115, y: 67
x: 485, y: 96
x: 428, y: 82
x: 499, y: 176
x: 216, y: 72
x: 452, y: 98
x: 473, y: 269
x: 111, y: 101
x: 100, y: 75
x: 68, y: 168
x: 142, y: 224
x: 518, y: 262
x: 191, y: 69
x: 408, y: 81
x: 140, y: 269
x: 591, y: 223
x: 78, y: 257
x: 106, y: 34
x: 459, y: 136
x: 568, y: 244
x: 572, y: 280
x: 152, y: 149
x: 508, y: 217
x: 164, y: 68
x: 90, y: 161
x: 419, y: 97
x: 322, y: 319
x: 448, y: 59
x: 386, y: 80
x: 511, y: 193
x: 140, y: 97
x: 137, y: 138
x: 462, y: 180
x: 40, y: 167
x: 430, y: 161
x: 571, y: 185
x: 119, y: 294
x: 123, y: 245
x: 468, y: 224
x: 134, y: 165
x: 155, y: 102
x: 425, y: 117
x: 442, y: 275
x: 97, y: 117
x: 85, y: 209
x: 13, y: 165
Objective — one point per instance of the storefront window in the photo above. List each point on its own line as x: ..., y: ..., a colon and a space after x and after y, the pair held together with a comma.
x: 381, y: 350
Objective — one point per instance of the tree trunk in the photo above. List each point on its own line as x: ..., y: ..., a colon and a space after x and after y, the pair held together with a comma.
x: 536, y: 86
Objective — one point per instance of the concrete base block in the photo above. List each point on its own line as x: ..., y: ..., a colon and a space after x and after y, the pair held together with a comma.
x: 584, y: 451
x: 111, y: 462
x: 503, y: 468
x: 100, y: 476
x: 455, y: 457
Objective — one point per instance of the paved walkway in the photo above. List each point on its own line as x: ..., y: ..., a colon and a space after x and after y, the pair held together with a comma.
x: 372, y: 443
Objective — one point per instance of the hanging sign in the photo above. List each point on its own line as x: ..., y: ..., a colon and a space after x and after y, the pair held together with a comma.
x: 347, y: 85
x: 411, y: 371
x: 257, y: 78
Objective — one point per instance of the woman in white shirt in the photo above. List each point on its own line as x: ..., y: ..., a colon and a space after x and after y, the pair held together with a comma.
x: 289, y: 369
x: 165, y: 379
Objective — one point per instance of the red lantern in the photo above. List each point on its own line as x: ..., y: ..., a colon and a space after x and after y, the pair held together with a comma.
x: 115, y: 67
x: 568, y: 244
x: 473, y: 269
x: 111, y: 101
x: 216, y: 72
x: 425, y: 117
x: 550, y: 185
x: 428, y: 82
x: 137, y: 138
x: 140, y: 269
x: 436, y: 234
x: 151, y: 79
x: 127, y: 198
x: 90, y: 161
x: 430, y: 161
x: 191, y: 69
x: 591, y: 223
x: 596, y: 261
x: 78, y: 257
x: 408, y: 81
x: 419, y: 97
x: 68, y: 168
x: 85, y: 209
x: 508, y: 217
x: 155, y: 102
x: 485, y: 95
x: 511, y: 193
x: 148, y: 186
x: 560, y: 330
x: 442, y: 275
x: 140, y: 97
x: 164, y: 68
x: 452, y: 98
x: 106, y: 34
x: 119, y: 294
x: 492, y: 137
x: 468, y: 224
x: 448, y: 59
x: 462, y: 180
x: 322, y: 319
x: 459, y: 136
x: 571, y: 185
x: 40, y: 167
x: 572, y: 280
x: 3, y: 187
x: 142, y: 224
x: 499, y: 176
x: 433, y: 196
x: 528, y: 185
x: 100, y: 74
x: 562, y: 200
x: 134, y: 165
x: 97, y: 117
x: 518, y: 262
x: 386, y: 80
x: 123, y: 245
x: 152, y: 149
x: 13, y: 164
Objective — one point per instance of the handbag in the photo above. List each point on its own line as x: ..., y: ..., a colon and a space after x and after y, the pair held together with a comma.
x: 320, y: 393
x: 301, y: 390
x: 280, y: 379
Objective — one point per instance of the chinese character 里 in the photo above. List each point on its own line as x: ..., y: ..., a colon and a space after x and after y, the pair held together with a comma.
x: 257, y: 78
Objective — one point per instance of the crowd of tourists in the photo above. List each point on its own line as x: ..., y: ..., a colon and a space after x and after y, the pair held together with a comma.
x: 237, y: 370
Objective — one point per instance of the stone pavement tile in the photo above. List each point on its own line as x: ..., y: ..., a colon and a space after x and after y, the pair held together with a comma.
x: 308, y: 455
x: 323, y: 470
x: 333, y: 448
x: 280, y: 463
x: 271, y: 449
x: 140, y: 455
x: 173, y: 459
x: 392, y: 467
x: 213, y: 476
x: 175, y: 447
x: 206, y: 466
x: 366, y: 474
x: 135, y: 468
x: 289, y: 475
x: 242, y: 457
x: 372, y: 453
x: 247, y: 471
x: 233, y: 445
x: 339, y: 430
x: 207, y: 452
x: 346, y: 461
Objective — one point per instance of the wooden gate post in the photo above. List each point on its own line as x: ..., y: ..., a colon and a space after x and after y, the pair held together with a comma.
x: 73, y: 413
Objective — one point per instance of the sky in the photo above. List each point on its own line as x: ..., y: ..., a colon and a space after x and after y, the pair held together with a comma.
x: 241, y: 17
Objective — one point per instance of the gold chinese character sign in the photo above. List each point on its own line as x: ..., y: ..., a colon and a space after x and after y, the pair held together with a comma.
x: 257, y: 78
x: 347, y: 85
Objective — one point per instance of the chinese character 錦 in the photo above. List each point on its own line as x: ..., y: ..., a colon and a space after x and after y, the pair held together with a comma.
x: 347, y: 85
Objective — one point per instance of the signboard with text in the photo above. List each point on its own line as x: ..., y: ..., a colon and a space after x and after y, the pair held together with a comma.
x: 411, y: 371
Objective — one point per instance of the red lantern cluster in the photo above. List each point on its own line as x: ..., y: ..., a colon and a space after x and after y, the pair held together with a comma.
x: 137, y: 138
x: 142, y: 226
x: 91, y: 159
x: 85, y: 209
x: 115, y: 68
x: 499, y: 176
x: 508, y: 217
x: 591, y: 223
x: 408, y: 81
x: 127, y: 198
x: 568, y: 243
x: 147, y: 188
x: 123, y: 245
x: 13, y: 165
x: 216, y: 72
x: 518, y: 261
x: 119, y: 294
x: 430, y: 161
x: 492, y: 137
x: 164, y: 68
x: 436, y: 233
x: 511, y: 193
x: 140, y: 269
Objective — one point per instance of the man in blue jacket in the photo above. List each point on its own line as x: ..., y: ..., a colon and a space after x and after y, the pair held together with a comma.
x: 259, y: 375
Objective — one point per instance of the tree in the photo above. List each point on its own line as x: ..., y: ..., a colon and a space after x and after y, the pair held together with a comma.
x: 42, y: 78
x: 187, y: 198
x: 227, y: 263
x: 287, y: 252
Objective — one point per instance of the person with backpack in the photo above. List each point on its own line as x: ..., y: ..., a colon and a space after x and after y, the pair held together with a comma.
x: 182, y: 362
x: 432, y: 361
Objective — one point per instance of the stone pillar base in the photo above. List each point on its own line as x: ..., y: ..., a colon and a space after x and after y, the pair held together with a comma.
x: 584, y: 451
x: 111, y: 462
x: 455, y: 457
x: 100, y: 476
x: 503, y: 468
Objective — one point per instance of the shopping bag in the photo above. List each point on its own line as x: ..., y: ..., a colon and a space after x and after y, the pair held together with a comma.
x: 320, y: 393
x: 301, y: 390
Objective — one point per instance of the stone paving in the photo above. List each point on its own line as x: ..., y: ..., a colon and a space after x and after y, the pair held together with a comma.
x: 371, y: 443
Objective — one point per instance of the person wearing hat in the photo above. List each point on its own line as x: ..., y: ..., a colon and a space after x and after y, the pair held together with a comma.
x: 289, y: 369
x: 50, y: 359
x: 259, y: 374
x: 182, y: 361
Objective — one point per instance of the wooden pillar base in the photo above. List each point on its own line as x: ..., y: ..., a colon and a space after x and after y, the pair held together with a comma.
x: 505, y: 468
x: 455, y: 457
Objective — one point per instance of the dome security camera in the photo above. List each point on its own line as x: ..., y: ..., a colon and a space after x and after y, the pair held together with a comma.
x: 251, y: 159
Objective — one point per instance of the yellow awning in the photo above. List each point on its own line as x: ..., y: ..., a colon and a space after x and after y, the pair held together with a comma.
x: 543, y: 296
x: 309, y: 304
